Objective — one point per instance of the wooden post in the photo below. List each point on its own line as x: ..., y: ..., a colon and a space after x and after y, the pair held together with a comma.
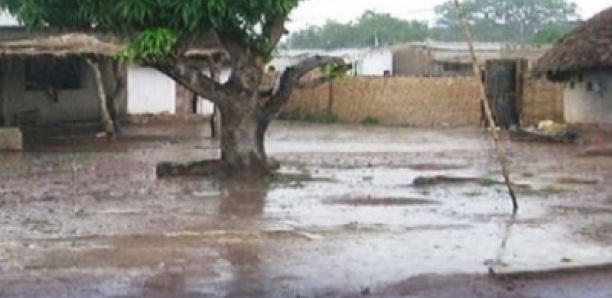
x: 107, y: 122
x: 330, y: 99
x: 483, y: 93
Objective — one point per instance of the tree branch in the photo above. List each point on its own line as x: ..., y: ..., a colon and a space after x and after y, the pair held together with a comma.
x: 194, y: 80
x: 290, y: 78
x: 274, y: 29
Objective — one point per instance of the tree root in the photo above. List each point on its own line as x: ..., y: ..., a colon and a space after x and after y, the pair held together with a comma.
x: 213, y: 169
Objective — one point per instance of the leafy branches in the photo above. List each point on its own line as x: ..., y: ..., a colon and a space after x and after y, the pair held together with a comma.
x: 256, y: 25
x: 151, y: 46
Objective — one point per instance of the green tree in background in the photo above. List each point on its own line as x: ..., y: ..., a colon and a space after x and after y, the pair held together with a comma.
x: 490, y: 20
x: 371, y: 28
x: 159, y: 33
x: 506, y: 20
x: 552, y: 33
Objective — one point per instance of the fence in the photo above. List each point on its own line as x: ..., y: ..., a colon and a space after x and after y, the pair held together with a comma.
x: 419, y: 101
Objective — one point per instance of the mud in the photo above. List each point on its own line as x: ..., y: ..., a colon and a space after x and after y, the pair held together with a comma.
x: 82, y: 217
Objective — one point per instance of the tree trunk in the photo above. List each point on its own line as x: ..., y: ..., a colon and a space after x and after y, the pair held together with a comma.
x: 215, y: 123
x: 242, y: 140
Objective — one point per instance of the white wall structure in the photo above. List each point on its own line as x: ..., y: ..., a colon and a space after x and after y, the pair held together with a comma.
x: 365, y: 61
x: 588, y: 98
x: 150, y: 92
x: 374, y: 63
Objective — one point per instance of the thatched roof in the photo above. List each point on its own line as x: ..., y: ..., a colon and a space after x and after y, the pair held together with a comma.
x: 587, y: 47
x: 61, y: 45
x: 78, y: 44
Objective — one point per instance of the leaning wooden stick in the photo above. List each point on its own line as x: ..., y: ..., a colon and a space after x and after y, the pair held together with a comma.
x: 487, y: 108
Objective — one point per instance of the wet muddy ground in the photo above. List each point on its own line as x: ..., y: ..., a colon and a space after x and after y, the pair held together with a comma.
x: 354, y: 211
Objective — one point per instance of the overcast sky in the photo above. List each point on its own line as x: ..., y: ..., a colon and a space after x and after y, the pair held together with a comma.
x: 317, y: 12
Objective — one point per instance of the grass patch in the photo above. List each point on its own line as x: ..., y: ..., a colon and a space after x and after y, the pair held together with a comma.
x: 309, y: 117
x: 370, y: 121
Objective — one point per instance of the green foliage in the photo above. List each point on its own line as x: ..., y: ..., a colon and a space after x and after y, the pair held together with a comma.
x: 334, y: 71
x: 150, y: 46
x: 370, y: 121
x: 505, y: 20
x: 369, y: 29
x: 551, y: 34
x: 490, y: 20
x: 150, y: 22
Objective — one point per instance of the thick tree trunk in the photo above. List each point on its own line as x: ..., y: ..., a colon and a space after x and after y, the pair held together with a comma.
x: 246, y: 112
x: 242, y: 140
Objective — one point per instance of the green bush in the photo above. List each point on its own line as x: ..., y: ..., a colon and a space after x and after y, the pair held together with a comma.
x: 309, y: 117
x: 370, y: 121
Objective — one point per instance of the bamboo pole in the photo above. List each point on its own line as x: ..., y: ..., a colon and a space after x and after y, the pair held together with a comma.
x: 489, y: 115
x: 107, y: 121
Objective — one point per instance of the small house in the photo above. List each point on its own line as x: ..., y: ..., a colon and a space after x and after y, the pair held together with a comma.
x: 45, y: 79
x: 439, y: 58
x: 364, y: 61
x: 583, y: 61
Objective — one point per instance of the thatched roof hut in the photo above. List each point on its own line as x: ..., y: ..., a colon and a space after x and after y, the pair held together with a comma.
x: 78, y: 44
x: 61, y: 45
x: 588, y: 47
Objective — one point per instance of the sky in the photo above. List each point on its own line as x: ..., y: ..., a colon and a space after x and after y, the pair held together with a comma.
x: 317, y: 12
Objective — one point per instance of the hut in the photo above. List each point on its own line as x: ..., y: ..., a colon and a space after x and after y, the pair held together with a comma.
x: 59, y: 78
x: 54, y: 78
x: 583, y: 61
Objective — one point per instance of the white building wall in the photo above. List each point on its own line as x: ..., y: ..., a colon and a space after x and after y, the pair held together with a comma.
x: 375, y: 63
x: 150, y: 92
x: 588, y: 100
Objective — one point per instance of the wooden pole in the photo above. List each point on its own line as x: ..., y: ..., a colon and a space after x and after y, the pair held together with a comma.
x: 107, y: 121
x: 489, y: 115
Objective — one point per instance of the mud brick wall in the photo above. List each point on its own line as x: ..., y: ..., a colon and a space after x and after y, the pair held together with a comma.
x: 542, y: 100
x: 421, y: 101
x: 413, y: 101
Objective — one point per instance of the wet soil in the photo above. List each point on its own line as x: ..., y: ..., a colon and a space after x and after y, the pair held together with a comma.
x: 82, y: 217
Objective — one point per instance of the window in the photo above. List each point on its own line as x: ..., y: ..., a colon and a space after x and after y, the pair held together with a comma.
x: 46, y: 73
x: 456, y: 67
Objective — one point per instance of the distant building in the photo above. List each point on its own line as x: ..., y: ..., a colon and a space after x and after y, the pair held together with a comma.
x: 435, y: 58
x: 365, y: 62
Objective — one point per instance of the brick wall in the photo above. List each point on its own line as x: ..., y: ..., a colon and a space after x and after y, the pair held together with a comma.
x: 419, y: 101
x: 542, y: 100
x: 416, y: 101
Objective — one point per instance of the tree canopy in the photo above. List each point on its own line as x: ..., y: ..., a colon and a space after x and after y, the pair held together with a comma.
x: 506, y: 20
x: 539, y: 21
x: 162, y: 22
x: 369, y: 29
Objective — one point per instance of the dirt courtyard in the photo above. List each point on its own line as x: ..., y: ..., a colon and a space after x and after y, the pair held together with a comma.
x: 343, y: 218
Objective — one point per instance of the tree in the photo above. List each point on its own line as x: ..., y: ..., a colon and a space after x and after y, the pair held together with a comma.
x: 161, y: 31
x: 551, y: 34
x: 506, y: 20
x: 369, y: 29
